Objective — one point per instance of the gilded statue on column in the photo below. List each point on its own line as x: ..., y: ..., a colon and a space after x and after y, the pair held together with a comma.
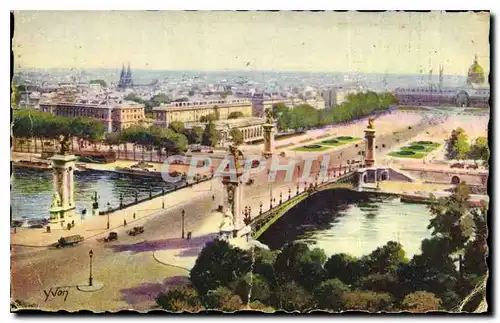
x: 370, y: 123
x: 269, y: 116
x: 236, y: 153
x: 65, y: 142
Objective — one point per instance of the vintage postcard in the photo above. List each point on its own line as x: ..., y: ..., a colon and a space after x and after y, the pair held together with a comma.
x: 259, y: 161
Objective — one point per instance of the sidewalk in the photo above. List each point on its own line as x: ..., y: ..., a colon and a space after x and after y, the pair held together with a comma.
x: 95, y: 226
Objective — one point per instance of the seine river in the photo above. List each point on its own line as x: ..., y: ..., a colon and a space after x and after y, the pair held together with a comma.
x: 31, y: 191
x: 343, y: 221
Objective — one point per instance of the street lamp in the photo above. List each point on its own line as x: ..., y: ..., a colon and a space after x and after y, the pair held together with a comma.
x: 289, y: 193
x: 281, y: 197
x: 109, y: 211
x: 121, y: 200
x: 260, y: 211
x: 91, y: 254
x: 183, y: 213
x: 297, y: 188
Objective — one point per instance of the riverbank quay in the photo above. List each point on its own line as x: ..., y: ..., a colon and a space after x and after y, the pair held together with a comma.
x: 96, y: 226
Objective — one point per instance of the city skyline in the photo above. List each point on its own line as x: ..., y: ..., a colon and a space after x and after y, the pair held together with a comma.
x: 254, y: 41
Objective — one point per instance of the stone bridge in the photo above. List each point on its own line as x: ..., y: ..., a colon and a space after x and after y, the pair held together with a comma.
x: 264, y: 220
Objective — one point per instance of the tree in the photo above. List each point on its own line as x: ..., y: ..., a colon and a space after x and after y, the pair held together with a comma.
x: 222, y: 298
x: 235, y: 115
x: 297, y: 263
x: 194, y: 135
x: 329, y: 293
x: 133, y: 97
x: 112, y: 139
x: 14, y: 96
x: 178, y: 299
x: 480, y: 150
x: 421, y: 302
x: 292, y: 297
x: 100, y: 82
x: 254, y: 286
x: 451, y: 219
x: 386, y: 259
x: 461, y: 146
x: 236, y: 136
x: 383, y: 283
x: 366, y: 301
x: 210, y: 136
x: 451, y: 152
x: 209, y: 117
x: 177, y: 126
x: 344, y: 267
x: 218, y: 264
x: 476, y: 250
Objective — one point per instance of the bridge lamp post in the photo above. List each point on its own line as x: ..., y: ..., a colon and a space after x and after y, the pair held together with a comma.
x: 289, y: 194
x: 183, y: 213
x: 260, y: 211
x: 281, y: 197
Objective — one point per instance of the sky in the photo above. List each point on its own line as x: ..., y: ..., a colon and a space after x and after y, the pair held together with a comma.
x: 388, y: 42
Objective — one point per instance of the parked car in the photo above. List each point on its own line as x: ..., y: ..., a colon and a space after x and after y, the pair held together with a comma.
x: 69, y: 241
x: 135, y: 231
x: 472, y: 167
x: 457, y: 165
x: 111, y: 236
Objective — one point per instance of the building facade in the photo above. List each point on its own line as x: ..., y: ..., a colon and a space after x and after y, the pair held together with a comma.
x: 250, y: 127
x: 114, y: 116
x: 193, y: 111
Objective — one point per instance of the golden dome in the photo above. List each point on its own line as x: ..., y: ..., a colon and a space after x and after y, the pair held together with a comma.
x: 476, y: 73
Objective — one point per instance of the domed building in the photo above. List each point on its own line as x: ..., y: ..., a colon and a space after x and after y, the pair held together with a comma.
x: 476, y: 73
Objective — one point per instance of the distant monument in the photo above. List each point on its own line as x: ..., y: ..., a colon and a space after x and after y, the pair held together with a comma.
x: 475, y: 76
x: 125, y: 81
x: 269, y: 131
x: 63, y: 165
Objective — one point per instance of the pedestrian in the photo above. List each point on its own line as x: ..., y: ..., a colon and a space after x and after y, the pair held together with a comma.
x: 72, y: 223
x: 68, y: 226
x: 213, y: 198
x: 124, y: 222
x: 134, y: 215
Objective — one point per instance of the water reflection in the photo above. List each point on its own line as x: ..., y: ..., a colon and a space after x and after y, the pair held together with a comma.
x: 351, y: 222
x: 31, y: 190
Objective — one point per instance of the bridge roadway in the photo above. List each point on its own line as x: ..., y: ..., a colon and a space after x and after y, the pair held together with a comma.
x: 133, y: 268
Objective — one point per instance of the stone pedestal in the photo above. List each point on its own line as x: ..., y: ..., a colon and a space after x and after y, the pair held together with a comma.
x: 370, y: 147
x: 269, y: 132
x: 63, y: 187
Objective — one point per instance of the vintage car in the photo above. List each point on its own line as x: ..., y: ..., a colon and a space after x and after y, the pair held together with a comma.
x: 135, y: 231
x: 111, y: 236
x: 69, y: 241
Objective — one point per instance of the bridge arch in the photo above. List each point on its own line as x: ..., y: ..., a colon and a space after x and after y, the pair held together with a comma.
x: 455, y: 180
x: 462, y: 99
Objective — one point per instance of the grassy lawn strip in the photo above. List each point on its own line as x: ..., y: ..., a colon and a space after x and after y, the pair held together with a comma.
x: 312, y: 148
x: 417, y: 150
x: 402, y: 154
x: 338, y: 141
x: 425, y: 143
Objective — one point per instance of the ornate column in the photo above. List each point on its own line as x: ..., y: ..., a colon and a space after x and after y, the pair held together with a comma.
x: 234, y: 189
x: 370, y: 144
x: 269, y: 131
x: 63, y: 164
